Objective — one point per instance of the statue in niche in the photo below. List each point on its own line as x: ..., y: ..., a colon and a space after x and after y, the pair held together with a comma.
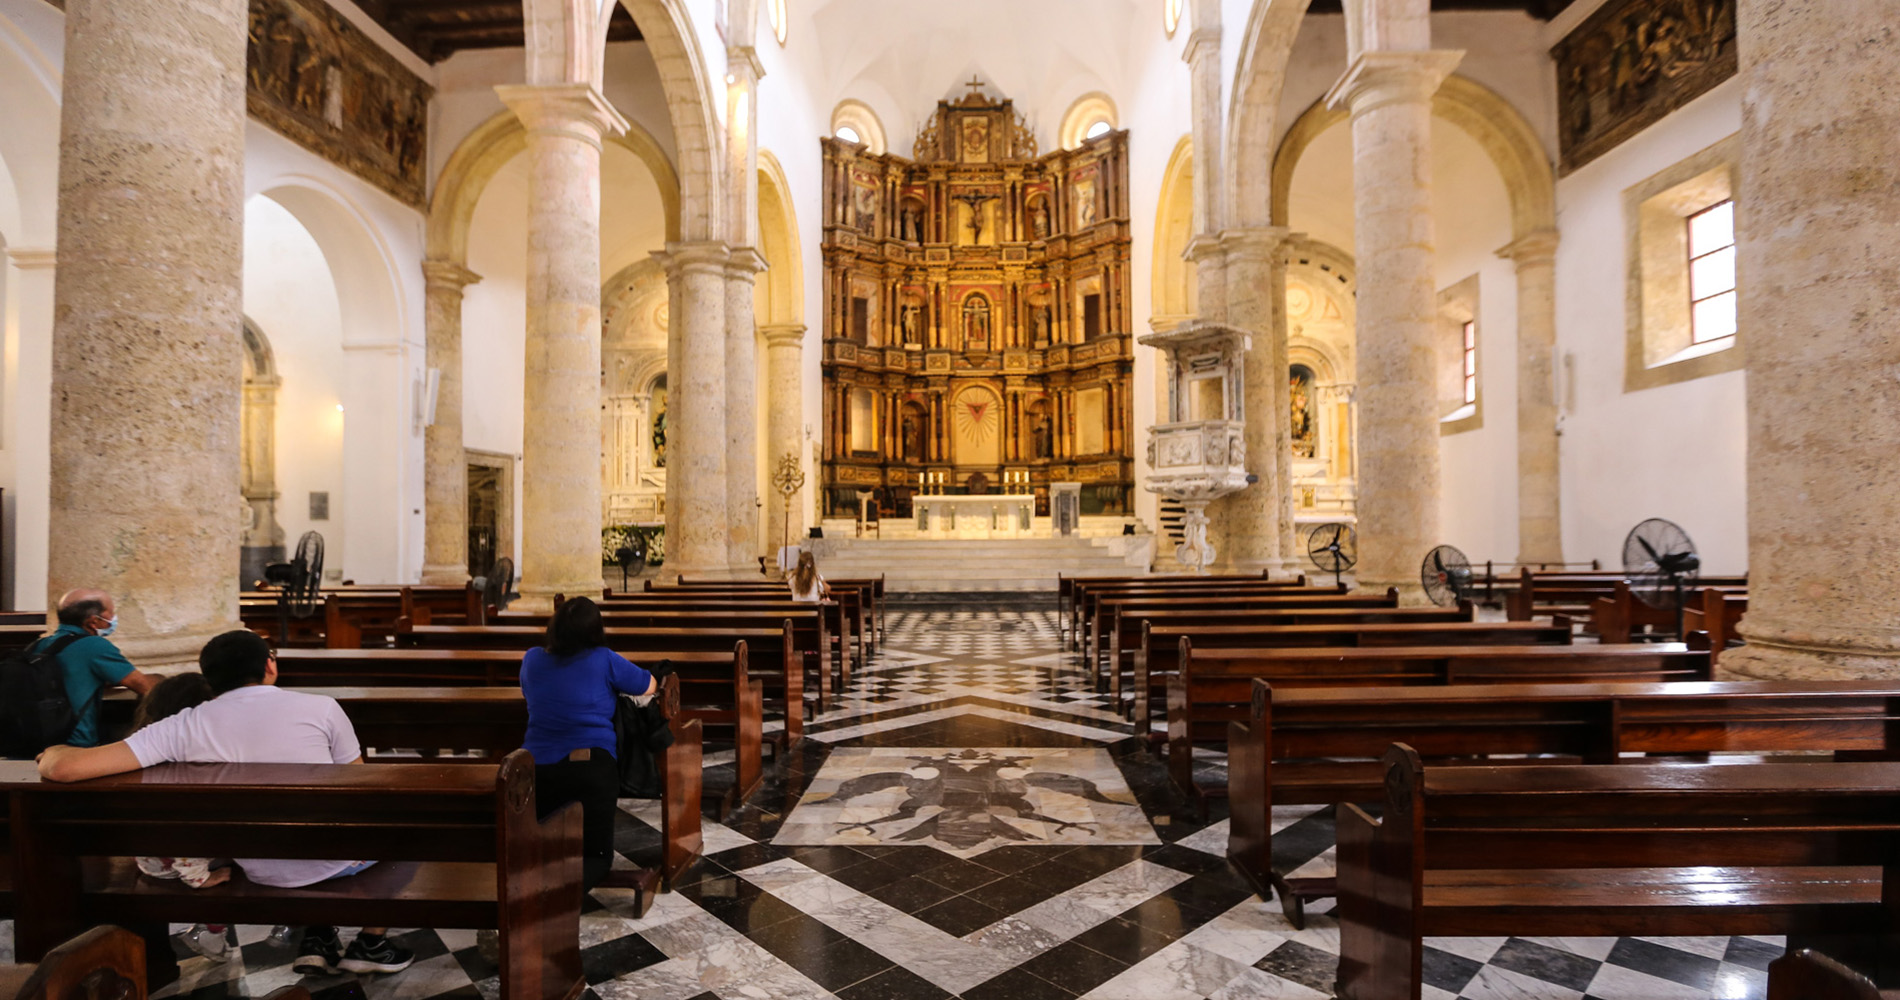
x: 912, y: 438
x: 1085, y: 203
x: 1039, y: 220
x: 912, y: 223
x: 1039, y: 437
x: 976, y: 324
x: 910, y: 323
x: 1300, y: 403
x: 1042, y: 326
x: 659, y: 431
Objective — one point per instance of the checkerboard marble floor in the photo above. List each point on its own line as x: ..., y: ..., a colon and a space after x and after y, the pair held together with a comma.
x: 969, y: 821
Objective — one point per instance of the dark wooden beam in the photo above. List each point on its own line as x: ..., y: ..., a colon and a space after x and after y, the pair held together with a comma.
x: 1543, y: 10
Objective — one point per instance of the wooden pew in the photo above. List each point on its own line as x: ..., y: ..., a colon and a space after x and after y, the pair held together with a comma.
x: 773, y: 657
x: 1563, y: 851
x: 1810, y: 975
x: 870, y: 591
x: 1720, y: 615
x: 1098, y: 605
x: 1623, y: 617
x: 458, y: 846
x: 1571, y: 594
x: 1079, y: 588
x: 1160, y: 654
x: 104, y: 963
x: 1127, y: 618
x: 835, y: 618
x: 716, y: 693
x: 17, y: 637
x: 1115, y: 626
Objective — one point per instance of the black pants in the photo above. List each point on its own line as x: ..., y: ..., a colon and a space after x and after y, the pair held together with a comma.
x: 595, y: 784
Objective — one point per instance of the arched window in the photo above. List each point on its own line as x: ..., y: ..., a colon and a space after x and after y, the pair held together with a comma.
x: 1090, y: 116
x: 1171, y: 15
x: 854, y: 121
x: 776, y: 10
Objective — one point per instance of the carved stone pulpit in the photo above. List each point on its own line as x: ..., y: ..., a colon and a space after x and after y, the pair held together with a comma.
x: 1200, y: 454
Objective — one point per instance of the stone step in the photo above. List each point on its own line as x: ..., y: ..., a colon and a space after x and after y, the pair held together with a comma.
x: 925, y: 565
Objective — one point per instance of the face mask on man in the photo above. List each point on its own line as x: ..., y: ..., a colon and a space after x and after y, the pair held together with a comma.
x: 112, y: 625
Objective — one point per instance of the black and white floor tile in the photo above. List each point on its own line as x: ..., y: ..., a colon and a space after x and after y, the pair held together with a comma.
x: 969, y: 819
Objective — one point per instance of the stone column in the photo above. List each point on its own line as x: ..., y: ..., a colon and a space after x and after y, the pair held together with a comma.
x: 147, y: 360
x: 1390, y: 97
x: 560, y: 449
x: 696, y: 512
x: 1292, y: 544
x: 1819, y: 218
x: 1539, y: 522
x: 444, y: 462
x: 784, y: 368
x: 1253, y: 515
x: 743, y: 547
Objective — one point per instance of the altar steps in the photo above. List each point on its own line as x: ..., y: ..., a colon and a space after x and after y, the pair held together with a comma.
x: 916, y: 565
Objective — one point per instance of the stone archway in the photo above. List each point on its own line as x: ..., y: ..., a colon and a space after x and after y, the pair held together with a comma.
x: 262, y: 541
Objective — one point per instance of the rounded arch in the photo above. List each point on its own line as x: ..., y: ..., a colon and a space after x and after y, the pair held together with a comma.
x: 862, y: 122
x: 1259, y: 78
x: 1478, y: 111
x: 1171, y: 296
x: 259, y: 360
x: 369, y: 291
x: 1088, y: 111
x: 480, y: 155
x: 783, y: 286
x: 29, y: 141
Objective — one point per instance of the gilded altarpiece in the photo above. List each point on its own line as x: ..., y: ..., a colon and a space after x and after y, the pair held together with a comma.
x: 977, y: 315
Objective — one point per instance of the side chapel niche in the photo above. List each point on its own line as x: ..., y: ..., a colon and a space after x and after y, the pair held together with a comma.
x: 976, y: 321
x: 633, y: 418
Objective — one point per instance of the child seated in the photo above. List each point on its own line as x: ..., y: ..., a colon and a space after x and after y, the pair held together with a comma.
x: 171, y: 696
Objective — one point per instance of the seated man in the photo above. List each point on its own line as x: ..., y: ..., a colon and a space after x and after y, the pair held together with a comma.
x: 89, y: 660
x: 251, y: 721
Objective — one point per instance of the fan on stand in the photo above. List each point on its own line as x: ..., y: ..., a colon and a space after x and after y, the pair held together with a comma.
x: 498, y: 585
x: 1334, y: 548
x: 631, y: 557
x: 299, y: 583
x: 1446, y: 574
x: 1660, y: 558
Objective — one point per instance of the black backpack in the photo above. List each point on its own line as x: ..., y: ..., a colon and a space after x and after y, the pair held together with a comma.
x: 34, y: 710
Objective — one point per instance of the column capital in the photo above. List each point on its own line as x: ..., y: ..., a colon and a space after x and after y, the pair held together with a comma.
x: 783, y: 334
x: 1254, y: 243
x: 742, y: 63
x: 1203, y: 247
x: 1533, y: 248
x: 744, y: 262
x: 1202, y: 41
x: 575, y: 110
x: 32, y: 258
x: 447, y: 274
x: 1377, y: 79
x: 695, y: 255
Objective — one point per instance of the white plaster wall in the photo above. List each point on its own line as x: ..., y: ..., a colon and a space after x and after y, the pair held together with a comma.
x: 1676, y: 451
x: 290, y: 297
x: 494, y: 315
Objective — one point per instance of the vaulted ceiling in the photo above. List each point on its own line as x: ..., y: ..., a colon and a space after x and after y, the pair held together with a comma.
x: 437, y: 29
x: 1543, y: 10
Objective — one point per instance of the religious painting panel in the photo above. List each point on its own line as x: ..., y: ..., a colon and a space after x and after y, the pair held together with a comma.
x: 1633, y: 62
x: 976, y: 419
x: 1303, y: 415
x: 317, y: 79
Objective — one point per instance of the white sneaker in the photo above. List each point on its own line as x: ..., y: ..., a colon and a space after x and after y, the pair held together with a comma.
x: 214, y: 945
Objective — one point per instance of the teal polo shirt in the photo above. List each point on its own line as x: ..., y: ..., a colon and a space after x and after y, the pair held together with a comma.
x: 92, y: 664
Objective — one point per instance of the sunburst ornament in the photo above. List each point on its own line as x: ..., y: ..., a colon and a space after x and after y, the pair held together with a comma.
x: 976, y: 421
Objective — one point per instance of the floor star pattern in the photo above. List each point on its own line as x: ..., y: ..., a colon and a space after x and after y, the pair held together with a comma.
x: 883, y: 919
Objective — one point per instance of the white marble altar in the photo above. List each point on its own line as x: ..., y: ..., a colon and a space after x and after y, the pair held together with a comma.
x: 998, y: 516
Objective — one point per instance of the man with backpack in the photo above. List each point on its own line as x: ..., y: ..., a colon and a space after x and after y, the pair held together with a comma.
x: 89, y: 661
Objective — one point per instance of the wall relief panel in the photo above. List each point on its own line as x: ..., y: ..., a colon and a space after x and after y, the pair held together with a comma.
x: 1633, y: 62
x: 318, y: 80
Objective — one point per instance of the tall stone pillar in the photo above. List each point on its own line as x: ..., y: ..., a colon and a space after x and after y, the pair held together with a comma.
x: 696, y: 514
x: 743, y: 546
x: 1252, y: 516
x: 444, y: 461
x: 1389, y: 94
x: 1292, y: 544
x: 785, y: 395
x: 147, y: 360
x: 560, y: 449
x: 1819, y: 220
x: 1539, y: 505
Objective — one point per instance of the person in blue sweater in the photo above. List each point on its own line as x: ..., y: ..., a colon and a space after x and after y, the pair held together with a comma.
x: 572, y: 686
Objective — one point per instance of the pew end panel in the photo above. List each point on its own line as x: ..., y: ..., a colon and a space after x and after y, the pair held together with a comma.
x: 104, y: 963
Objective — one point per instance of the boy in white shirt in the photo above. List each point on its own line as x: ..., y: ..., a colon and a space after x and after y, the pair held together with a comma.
x: 251, y: 721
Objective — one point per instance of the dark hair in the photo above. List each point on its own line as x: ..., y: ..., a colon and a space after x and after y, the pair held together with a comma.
x: 173, y: 695
x: 80, y: 612
x: 575, y: 627
x: 234, y: 659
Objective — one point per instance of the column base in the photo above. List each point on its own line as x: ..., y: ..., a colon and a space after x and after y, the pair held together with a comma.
x: 1765, y: 661
x: 176, y: 652
x: 540, y: 600
x: 445, y: 575
x: 1411, y: 592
